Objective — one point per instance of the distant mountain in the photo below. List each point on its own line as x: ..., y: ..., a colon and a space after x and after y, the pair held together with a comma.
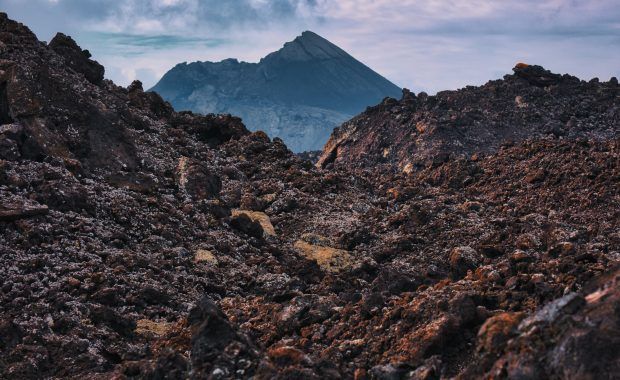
x: 299, y: 93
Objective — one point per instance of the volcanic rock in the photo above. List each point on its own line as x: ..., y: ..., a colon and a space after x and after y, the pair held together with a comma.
x: 531, y: 103
x: 114, y: 199
x: 497, y: 330
x: 197, y: 180
x: 217, y: 348
x: 258, y: 217
x: 77, y: 59
x: 463, y: 259
x: 205, y: 256
x: 17, y: 208
x: 247, y: 225
x: 331, y: 259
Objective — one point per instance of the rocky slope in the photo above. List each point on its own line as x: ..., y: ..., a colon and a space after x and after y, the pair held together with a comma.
x: 531, y: 103
x: 138, y: 242
x: 299, y: 93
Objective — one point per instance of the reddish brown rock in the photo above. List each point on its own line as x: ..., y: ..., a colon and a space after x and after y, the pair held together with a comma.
x: 496, y: 331
x: 411, y: 133
x: 463, y: 259
x: 14, y: 209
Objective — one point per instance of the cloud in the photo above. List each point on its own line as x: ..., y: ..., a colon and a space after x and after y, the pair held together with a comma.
x: 422, y: 44
x: 126, y: 45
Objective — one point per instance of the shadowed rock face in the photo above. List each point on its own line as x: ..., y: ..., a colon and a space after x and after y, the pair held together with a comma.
x: 299, y: 93
x: 419, y: 130
x: 5, y: 117
x: 77, y: 59
x: 66, y: 110
x: 138, y: 242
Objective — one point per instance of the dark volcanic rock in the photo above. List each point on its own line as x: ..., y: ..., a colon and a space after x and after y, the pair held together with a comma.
x: 138, y: 242
x: 77, y: 59
x: 197, y: 180
x: 5, y: 112
x: 217, y: 348
x: 412, y: 132
x: 536, y: 75
x: 61, y: 121
x: 211, y: 129
x: 244, y: 224
x: 13, y: 208
x: 569, y: 338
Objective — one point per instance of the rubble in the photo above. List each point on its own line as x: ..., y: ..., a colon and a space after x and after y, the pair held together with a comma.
x: 135, y: 242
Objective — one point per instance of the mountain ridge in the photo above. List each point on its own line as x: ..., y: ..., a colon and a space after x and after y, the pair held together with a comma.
x: 532, y: 102
x: 298, y: 93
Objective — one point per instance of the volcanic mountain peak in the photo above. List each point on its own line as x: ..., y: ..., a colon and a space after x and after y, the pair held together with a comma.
x: 307, y: 47
x: 299, y: 93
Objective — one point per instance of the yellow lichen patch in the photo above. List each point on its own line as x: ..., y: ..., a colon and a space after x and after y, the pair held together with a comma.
x: 259, y: 217
x: 328, y: 258
x: 205, y: 256
x: 147, y: 327
x: 407, y: 169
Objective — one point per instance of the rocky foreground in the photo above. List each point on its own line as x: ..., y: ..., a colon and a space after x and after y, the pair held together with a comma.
x: 138, y: 242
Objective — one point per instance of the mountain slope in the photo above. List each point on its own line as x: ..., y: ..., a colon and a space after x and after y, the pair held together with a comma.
x: 531, y: 103
x: 299, y: 93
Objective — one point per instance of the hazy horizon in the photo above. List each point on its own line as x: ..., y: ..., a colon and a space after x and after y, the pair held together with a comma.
x: 425, y: 46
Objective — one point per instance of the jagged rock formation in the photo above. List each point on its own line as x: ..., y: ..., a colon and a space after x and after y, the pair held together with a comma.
x: 76, y: 58
x: 531, y: 103
x: 299, y: 93
x: 138, y: 242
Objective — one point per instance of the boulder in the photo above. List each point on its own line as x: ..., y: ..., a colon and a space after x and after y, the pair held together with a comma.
x: 496, y: 331
x: 536, y: 75
x: 463, y: 259
x: 197, y: 180
x: 258, y: 217
x: 216, y: 346
x: 328, y: 258
x: 243, y: 223
x: 205, y: 256
x: 14, y: 208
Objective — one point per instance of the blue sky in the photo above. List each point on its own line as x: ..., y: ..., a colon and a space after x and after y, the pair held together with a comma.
x: 428, y: 45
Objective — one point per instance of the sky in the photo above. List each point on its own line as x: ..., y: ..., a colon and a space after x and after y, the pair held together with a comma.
x: 424, y: 45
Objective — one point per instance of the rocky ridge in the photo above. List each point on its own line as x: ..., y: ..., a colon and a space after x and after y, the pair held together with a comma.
x: 416, y: 130
x: 139, y: 242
